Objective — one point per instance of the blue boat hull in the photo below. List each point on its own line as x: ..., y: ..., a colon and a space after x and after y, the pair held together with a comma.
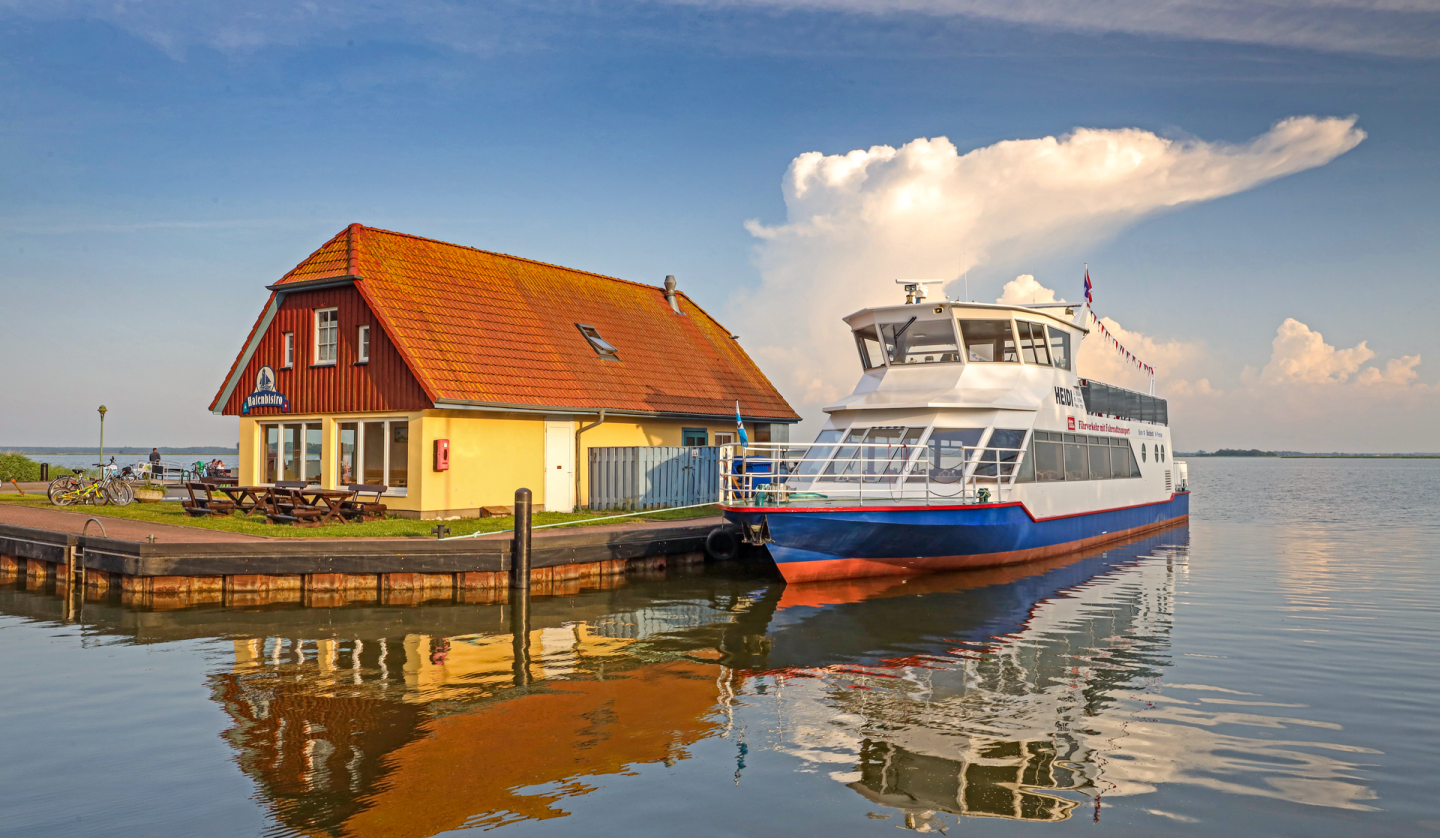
x: 815, y: 544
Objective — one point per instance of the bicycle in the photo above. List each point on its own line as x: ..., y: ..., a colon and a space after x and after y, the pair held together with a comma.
x: 106, y: 490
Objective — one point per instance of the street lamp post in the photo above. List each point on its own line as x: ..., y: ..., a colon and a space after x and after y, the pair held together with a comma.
x: 102, y: 440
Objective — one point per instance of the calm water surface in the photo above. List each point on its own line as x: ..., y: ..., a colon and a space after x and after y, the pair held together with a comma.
x: 1269, y: 670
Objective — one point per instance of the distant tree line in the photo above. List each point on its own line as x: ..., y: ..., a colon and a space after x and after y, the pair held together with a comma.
x: 1235, y: 452
x: 122, y: 449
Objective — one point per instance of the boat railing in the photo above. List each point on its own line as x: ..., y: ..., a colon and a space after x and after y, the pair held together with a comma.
x: 841, y: 473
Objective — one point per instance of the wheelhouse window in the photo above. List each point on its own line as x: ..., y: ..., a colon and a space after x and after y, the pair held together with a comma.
x: 868, y: 342
x: 1060, y: 347
x: 1033, y: 346
x: 602, y: 347
x: 919, y: 341
x: 287, y: 358
x: 375, y: 453
x: 362, y: 345
x: 327, y: 334
x: 988, y: 341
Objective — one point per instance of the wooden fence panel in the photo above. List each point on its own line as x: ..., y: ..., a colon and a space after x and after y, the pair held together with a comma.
x: 653, y: 477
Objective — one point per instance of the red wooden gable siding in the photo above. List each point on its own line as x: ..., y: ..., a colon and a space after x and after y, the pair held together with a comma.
x: 384, y: 384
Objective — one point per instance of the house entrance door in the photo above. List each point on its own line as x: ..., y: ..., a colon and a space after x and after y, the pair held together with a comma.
x: 559, y: 466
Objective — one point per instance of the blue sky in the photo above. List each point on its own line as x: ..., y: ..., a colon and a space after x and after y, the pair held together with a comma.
x: 160, y: 164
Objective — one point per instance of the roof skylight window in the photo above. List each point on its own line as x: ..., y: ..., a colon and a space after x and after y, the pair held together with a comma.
x: 602, y: 347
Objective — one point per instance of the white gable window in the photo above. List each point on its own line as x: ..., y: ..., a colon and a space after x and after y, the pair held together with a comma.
x: 289, y: 360
x: 362, y: 344
x: 327, y: 329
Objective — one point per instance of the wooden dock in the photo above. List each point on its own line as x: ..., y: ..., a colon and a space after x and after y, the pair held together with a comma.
x: 330, y: 572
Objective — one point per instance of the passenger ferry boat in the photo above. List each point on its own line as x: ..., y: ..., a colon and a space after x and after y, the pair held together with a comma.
x: 970, y: 441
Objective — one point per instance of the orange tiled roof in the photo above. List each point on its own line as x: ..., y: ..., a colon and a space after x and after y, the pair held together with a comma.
x: 487, y: 327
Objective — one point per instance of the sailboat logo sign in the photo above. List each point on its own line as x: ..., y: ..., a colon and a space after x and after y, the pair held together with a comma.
x: 265, y: 394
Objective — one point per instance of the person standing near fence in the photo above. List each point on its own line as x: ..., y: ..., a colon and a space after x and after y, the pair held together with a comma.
x: 155, y: 468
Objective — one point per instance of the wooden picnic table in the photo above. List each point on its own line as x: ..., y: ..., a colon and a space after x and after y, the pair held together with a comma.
x: 247, y: 499
x: 332, y: 500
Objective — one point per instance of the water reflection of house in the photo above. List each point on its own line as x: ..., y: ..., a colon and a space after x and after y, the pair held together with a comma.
x: 417, y: 735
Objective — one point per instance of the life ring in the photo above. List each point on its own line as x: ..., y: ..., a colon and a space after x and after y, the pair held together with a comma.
x: 722, y: 545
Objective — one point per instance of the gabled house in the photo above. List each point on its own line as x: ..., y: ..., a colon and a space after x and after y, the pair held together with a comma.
x: 455, y: 375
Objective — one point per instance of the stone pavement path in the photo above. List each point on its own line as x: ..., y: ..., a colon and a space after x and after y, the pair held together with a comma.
x: 63, y: 520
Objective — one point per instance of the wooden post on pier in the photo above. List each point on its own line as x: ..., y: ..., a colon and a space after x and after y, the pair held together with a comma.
x: 520, y: 545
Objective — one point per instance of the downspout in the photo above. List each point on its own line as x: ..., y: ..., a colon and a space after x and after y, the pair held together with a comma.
x: 579, y: 451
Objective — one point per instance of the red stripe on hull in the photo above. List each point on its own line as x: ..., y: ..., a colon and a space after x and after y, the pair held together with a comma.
x: 816, y: 571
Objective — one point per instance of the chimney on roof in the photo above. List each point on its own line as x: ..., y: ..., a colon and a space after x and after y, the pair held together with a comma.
x: 670, y: 293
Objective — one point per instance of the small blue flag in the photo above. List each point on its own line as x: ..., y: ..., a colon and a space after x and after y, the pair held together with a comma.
x: 1088, y: 298
x: 740, y: 425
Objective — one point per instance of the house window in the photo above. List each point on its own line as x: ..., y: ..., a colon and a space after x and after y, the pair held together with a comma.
x: 326, y: 334
x: 602, y: 347
x: 694, y: 436
x: 288, y: 359
x: 291, y: 452
x: 375, y: 453
x: 362, y: 343
x: 724, y: 439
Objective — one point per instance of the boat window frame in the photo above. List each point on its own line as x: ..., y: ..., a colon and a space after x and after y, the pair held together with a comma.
x: 965, y: 343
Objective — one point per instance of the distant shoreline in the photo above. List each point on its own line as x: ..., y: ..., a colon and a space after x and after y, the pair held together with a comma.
x: 124, y: 449
x: 1274, y: 456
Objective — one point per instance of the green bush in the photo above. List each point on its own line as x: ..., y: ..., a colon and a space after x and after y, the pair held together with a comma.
x: 18, y: 467
x: 23, y: 469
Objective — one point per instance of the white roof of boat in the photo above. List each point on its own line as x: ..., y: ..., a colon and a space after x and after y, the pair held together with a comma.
x: 1027, y: 307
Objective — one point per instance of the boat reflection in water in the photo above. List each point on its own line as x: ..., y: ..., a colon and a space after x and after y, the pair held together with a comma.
x: 1033, y: 692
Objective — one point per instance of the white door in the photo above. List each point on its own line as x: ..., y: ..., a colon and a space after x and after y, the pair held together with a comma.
x: 559, y: 466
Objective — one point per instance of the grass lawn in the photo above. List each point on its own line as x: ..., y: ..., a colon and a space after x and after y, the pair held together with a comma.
x: 169, y: 512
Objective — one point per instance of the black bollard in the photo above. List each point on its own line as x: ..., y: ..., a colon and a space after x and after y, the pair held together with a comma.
x: 520, y: 544
x: 45, y: 472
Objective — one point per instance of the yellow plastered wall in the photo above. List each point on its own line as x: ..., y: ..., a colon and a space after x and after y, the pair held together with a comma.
x: 491, y: 455
x: 249, y: 464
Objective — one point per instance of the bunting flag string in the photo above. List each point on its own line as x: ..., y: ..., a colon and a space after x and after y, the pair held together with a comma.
x: 1111, y: 340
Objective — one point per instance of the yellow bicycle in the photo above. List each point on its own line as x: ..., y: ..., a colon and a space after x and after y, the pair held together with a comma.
x: 71, y: 490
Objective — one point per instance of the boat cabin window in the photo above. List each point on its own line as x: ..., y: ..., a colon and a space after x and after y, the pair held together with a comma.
x: 1033, y: 345
x: 818, y: 453
x: 919, y: 341
x: 1001, y: 452
x: 868, y: 342
x: 1060, y: 347
x: 1067, y: 457
x: 988, y: 340
x: 871, y: 462
x: 944, y: 460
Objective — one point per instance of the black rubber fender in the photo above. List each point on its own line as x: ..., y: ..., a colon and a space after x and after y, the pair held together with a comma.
x: 722, y: 544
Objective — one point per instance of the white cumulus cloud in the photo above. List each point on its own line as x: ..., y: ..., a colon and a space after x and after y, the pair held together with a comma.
x: 1309, y: 395
x: 856, y: 221
x: 1025, y: 290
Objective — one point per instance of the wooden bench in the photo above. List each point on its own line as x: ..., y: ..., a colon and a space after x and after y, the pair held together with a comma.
x: 206, y: 503
x: 288, y: 507
x: 361, y: 509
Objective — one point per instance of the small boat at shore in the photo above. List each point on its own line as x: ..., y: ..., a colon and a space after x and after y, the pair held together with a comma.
x: 970, y: 441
